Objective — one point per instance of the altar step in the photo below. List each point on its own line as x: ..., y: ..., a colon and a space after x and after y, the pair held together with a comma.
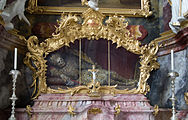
x: 83, y: 107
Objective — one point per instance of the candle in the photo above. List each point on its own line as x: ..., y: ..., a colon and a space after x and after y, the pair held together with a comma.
x: 15, y: 58
x: 172, y: 60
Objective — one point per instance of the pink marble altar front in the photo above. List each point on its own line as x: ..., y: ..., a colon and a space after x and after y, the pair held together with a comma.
x: 107, y: 107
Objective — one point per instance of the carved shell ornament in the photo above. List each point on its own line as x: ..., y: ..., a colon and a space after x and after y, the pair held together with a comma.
x: 94, y: 26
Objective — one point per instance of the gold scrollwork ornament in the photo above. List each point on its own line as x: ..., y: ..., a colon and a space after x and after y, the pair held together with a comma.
x: 29, y: 111
x: 117, y: 109
x: 92, y: 28
x: 71, y: 110
x: 156, y: 110
x: 145, y: 11
x: 94, y: 111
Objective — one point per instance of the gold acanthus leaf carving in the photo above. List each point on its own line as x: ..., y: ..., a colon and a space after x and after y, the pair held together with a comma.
x: 71, y: 28
x: 70, y: 110
x: 145, y: 8
x: 33, y: 7
x: 29, y: 110
x: 93, y: 90
x: 156, y: 110
x: 117, y: 109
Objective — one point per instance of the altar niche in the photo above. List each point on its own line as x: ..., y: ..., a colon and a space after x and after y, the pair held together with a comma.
x: 101, y: 31
x: 116, y: 66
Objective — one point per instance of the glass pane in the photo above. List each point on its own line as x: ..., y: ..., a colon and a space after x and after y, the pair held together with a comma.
x: 63, y: 65
x: 124, y: 67
x: 124, y: 70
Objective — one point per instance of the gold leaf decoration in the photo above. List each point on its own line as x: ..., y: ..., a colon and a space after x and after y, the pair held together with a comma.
x: 70, y: 29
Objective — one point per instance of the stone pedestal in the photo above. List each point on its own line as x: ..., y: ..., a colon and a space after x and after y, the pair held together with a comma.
x: 57, y: 107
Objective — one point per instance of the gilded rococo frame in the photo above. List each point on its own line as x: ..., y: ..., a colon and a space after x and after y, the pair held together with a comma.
x: 144, y: 11
x: 70, y: 29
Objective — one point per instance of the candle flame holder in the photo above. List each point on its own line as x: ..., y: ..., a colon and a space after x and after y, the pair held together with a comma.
x: 173, y: 76
x: 14, y: 74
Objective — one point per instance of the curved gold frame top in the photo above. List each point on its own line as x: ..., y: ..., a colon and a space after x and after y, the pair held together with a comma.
x: 70, y: 29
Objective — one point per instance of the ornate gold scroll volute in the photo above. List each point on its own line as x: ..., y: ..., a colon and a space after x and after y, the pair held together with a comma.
x: 148, y: 63
x: 70, y: 29
x: 35, y: 61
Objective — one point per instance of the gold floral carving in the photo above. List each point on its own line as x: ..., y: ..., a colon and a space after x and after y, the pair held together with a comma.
x: 29, y: 110
x: 156, y: 110
x: 94, y: 111
x: 70, y: 29
x: 93, y: 90
x: 117, y: 109
x: 33, y: 7
x: 144, y: 11
x: 71, y: 110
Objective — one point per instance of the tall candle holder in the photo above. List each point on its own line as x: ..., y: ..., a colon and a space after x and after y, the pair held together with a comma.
x: 173, y: 76
x: 14, y: 74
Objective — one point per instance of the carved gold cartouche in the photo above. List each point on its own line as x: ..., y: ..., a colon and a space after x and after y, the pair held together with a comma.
x: 71, y: 29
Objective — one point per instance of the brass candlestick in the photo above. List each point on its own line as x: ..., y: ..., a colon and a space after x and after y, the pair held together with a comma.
x: 173, y: 76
